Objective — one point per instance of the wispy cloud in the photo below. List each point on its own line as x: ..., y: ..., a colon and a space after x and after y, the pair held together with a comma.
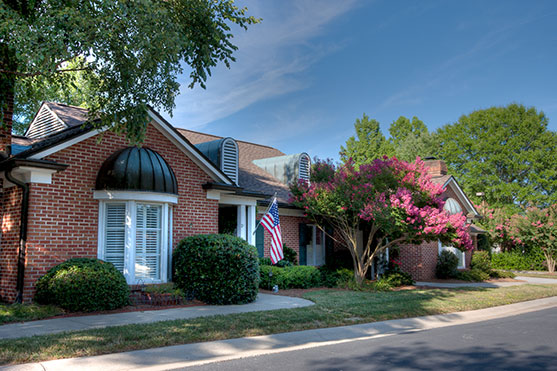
x: 271, y: 60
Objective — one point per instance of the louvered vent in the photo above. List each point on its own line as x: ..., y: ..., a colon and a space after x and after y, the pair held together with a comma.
x: 229, y: 159
x: 44, y: 124
x: 304, y: 167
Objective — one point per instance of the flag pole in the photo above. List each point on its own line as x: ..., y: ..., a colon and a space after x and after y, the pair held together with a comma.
x: 266, y: 211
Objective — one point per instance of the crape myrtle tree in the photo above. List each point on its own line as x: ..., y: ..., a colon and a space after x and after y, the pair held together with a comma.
x: 538, y: 227
x: 393, y: 201
x: 130, y: 52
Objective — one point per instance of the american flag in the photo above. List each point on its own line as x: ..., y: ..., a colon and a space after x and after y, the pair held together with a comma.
x: 271, y: 223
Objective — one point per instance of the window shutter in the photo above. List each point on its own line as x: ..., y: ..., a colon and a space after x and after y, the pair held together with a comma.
x: 115, y: 237
x: 260, y: 240
x: 302, y: 258
x: 148, y: 241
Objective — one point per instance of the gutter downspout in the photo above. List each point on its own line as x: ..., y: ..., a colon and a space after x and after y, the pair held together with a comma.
x: 22, y: 234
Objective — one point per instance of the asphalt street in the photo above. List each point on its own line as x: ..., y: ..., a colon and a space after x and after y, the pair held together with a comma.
x: 523, y: 342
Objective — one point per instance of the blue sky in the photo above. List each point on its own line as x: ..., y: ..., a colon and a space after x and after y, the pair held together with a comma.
x: 310, y: 68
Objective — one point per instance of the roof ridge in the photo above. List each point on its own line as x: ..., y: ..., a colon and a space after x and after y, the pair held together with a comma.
x: 67, y: 105
x: 237, y: 140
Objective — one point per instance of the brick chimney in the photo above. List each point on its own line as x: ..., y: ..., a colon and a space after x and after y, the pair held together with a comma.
x: 435, y: 167
x: 6, y: 128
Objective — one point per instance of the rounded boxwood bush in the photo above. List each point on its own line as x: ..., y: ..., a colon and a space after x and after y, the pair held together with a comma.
x: 482, y: 261
x: 447, y: 264
x: 217, y: 269
x: 83, y: 285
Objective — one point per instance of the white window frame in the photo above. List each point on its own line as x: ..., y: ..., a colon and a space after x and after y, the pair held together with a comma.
x: 460, y: 254
x: 131, y: 199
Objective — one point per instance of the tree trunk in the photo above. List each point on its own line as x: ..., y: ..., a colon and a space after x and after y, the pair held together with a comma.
x: 550, y: 261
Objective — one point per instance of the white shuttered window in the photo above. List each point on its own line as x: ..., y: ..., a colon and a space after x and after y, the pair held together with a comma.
x: 135, y: 238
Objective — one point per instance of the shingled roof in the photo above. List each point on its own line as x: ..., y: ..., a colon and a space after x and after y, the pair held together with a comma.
x: 250, y: 176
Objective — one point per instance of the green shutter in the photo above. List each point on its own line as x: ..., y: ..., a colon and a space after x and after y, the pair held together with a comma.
x: 303, y: 230
x: 329, y: 246
x: 260, y: 240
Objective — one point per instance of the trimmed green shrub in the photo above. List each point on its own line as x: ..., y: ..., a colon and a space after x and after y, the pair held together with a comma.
x: 283, y: 263
x: 502, y: 274
x: 482, y: 261
x: 447, y: 264
x: 217, y: 269
x: 265, y: 261
x: 293, y: 277
x: 290, y: 255
x: 398, y: 278
x: 516, y: 260
x: 333, y: 277
x: 83, y: 284
x: 474, y: 275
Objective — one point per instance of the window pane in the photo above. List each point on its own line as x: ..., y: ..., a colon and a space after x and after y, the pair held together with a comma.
x: 148, y: 241
x: 115, y: 227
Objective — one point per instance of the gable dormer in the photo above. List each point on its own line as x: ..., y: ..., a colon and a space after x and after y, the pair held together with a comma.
x: 46, y: 122
x: 288, y: 169
x: 224, y: 154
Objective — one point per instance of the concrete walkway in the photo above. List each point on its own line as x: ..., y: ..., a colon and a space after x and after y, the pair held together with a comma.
x: 180, y: 356
x: 527, y: 280
x: 51, y: 326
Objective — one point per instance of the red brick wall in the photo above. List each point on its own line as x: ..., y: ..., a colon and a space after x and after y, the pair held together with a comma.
x: 63, y: 216
x: 289, y: 226
x: 9, y: 244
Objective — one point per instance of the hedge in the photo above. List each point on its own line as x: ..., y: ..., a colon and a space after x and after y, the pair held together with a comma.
x: 516, y: 260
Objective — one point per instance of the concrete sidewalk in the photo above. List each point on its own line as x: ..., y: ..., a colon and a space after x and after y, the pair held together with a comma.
x: 527, y: 280
x: 51, y: 326
x: 179, y: 356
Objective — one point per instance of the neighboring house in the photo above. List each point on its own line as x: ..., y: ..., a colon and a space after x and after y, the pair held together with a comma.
x: 69, y: 190
x: 420, y: 261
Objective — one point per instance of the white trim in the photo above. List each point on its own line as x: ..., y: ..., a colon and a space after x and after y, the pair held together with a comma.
x: 462, y: 195
x: 66, y: 144
x: 241, y: 222
x: 136, y: 196
x: 236, y: 200
x: 29, y: 174
x: 190, y: 151
x: 251, y: 224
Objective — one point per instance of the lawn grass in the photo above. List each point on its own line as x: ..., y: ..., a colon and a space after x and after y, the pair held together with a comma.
x: 26, y: 312
x: 333, y: 308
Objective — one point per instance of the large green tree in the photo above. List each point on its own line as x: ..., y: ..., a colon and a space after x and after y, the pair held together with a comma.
x: 130, y: 53
x: 368, y: 144
x: 411, y: 139
x: 506, y: 153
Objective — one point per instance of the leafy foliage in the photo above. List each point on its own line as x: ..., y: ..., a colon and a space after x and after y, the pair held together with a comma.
x: 505, y: 152
x: 83, y: 284
x: 130, y: 53
x: 532, y: 260
x: 447, y: 263
x: 392, y: 201
x: 290, y: 255
x: 482, y: 261
x: 217, y: 269
x: 368, y: 144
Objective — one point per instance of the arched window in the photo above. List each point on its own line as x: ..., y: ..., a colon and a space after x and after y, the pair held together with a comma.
x: 453, y: 207
x: 136, y: 189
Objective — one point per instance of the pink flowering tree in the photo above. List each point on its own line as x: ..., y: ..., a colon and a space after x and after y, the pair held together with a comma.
x: 501, y: 225
x: 538, y: 227
x: 392, y: 201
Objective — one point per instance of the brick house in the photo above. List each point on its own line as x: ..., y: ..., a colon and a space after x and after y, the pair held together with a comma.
x: 83, y: 192
x: 70, y: 190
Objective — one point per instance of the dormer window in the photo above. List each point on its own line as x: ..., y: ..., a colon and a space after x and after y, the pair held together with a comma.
x: 287, y: 169
x: 45, y: 123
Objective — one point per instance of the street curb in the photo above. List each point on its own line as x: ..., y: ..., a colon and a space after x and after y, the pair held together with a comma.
x: 179, y: 356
